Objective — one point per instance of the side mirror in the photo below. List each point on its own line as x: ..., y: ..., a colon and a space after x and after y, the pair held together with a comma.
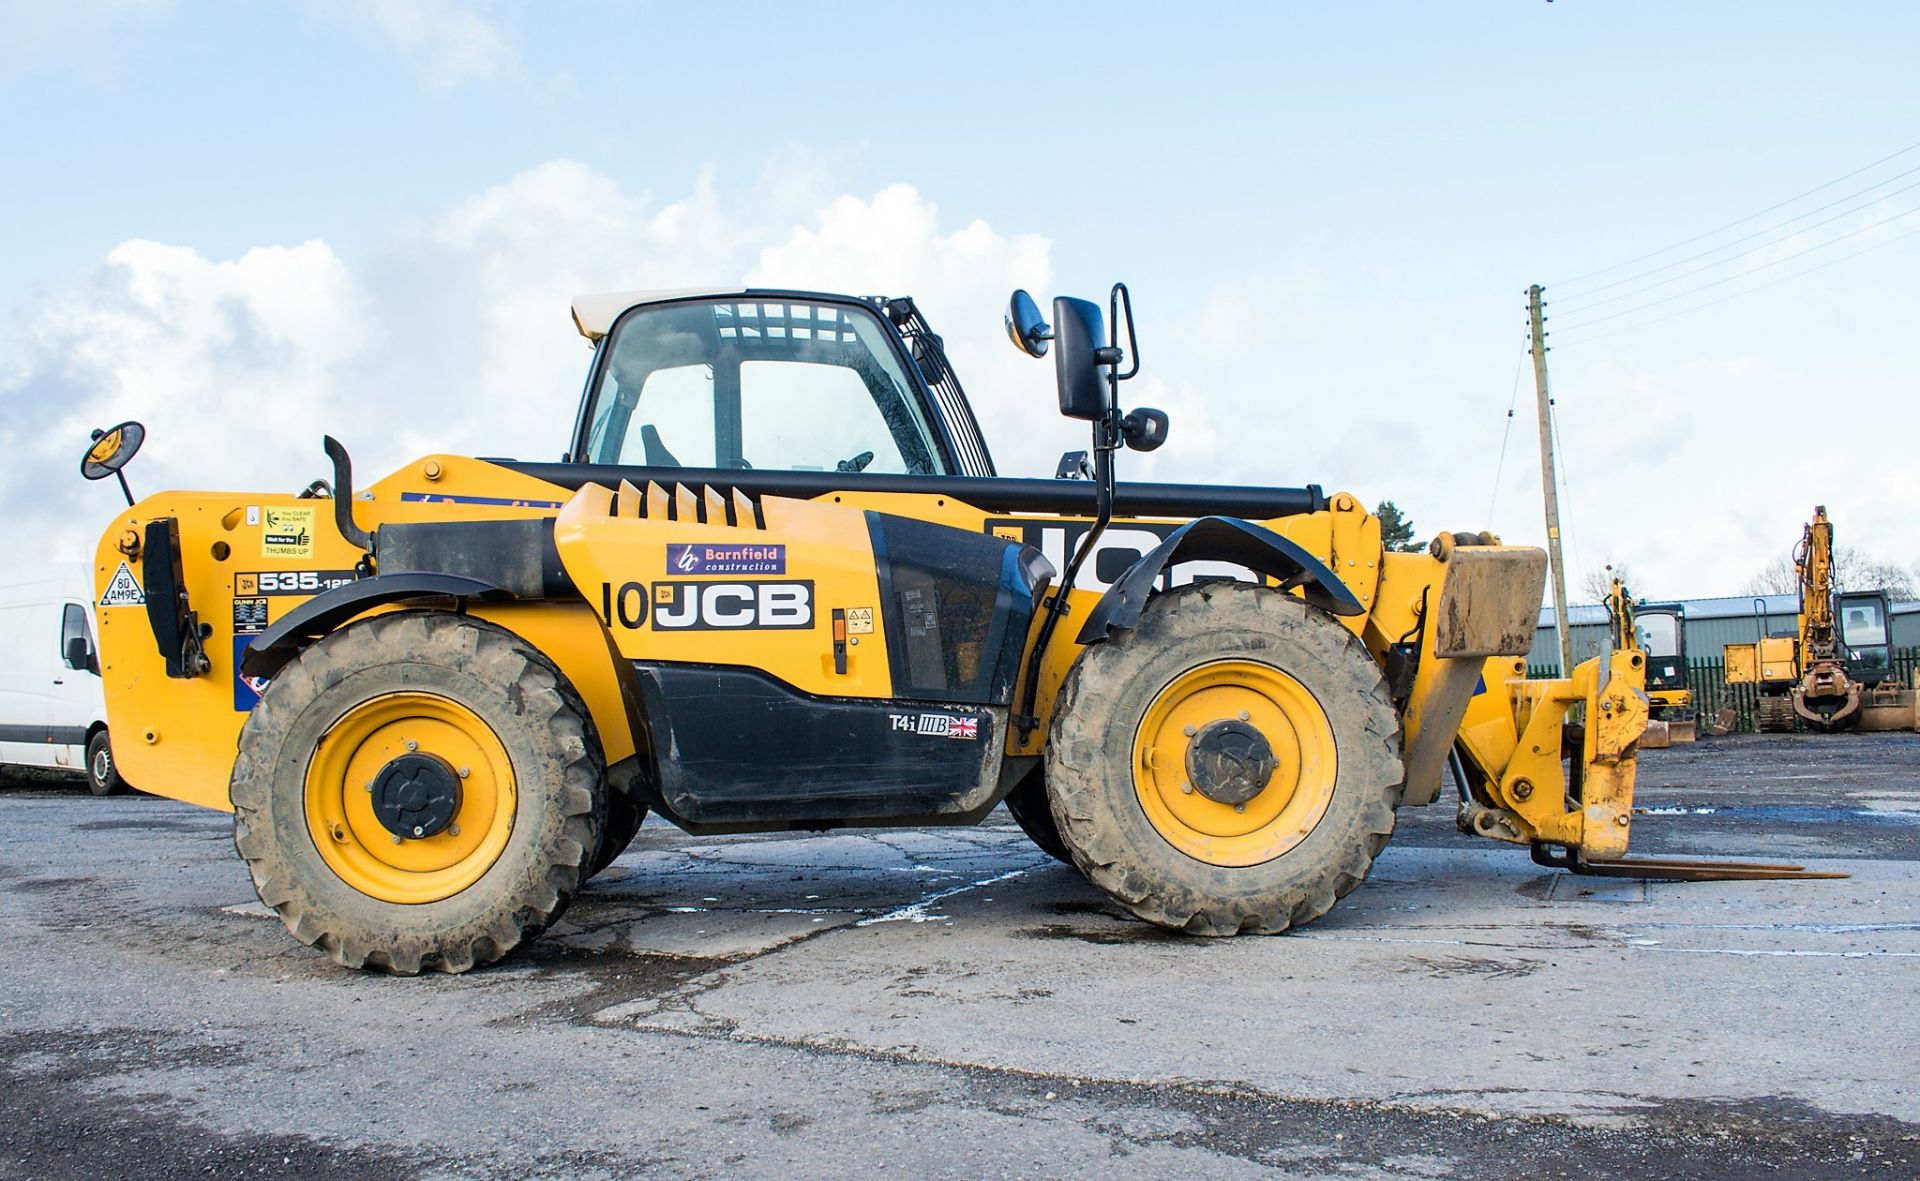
x: 1025, y: 328
x: 1144, y: 428
x: 110, y: 451
x: 1083, y: 351
x: 79, y: 653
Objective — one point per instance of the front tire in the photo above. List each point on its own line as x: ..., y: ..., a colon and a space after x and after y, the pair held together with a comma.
x: 103, y: 774
x: 1229, y: 765
x: 418, y: 791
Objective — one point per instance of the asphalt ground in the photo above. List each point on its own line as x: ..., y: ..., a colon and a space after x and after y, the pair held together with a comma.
x: 951, y: 1003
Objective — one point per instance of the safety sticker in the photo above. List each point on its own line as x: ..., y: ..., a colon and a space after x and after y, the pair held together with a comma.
x: 123, y: 590
x: 287, y: 532
x: 246, y: 689
x: 249, y: 617
x: 937, y: 725
x: 859, y: 621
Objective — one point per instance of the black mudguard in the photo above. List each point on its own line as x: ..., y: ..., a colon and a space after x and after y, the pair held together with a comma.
x: 1219, y: 539
x: 326, y: 611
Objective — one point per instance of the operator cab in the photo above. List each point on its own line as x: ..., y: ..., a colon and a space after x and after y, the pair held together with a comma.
x: 1864, y: 635
x: 771, y: 381
x: 1661, y: 629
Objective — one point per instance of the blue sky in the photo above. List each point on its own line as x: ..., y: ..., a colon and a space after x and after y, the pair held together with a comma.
x: 365, y: 217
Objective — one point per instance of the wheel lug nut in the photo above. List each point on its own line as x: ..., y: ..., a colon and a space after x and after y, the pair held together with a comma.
x: 1245, y: 716
x: 418, y: 831
x: 396, y: 838
x: 412, y: 745
x: 465, y: 771
x: 1187, y: 788
x: 1239, y: 807
x: 1187, y: 730
x: 453, y: 830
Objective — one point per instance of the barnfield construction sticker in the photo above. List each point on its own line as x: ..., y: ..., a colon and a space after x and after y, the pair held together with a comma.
x: 123, y: 590
x: 287, y: 532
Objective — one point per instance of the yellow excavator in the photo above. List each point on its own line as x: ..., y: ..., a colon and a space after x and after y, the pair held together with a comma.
x: 1659, y: 632
x: 776, y: 583
x: 1815, y: 674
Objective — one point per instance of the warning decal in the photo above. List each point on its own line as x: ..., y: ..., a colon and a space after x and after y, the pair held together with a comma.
x: 287, y: 532
x: 124, y: 590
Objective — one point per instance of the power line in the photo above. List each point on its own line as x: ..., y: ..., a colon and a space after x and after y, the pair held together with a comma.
x: 1581, y: 307
x: 1501, y: 464
x: 1749, y: 237
x: 1740, y: 221
x: 1652, y: 303
x: 1750, y: 290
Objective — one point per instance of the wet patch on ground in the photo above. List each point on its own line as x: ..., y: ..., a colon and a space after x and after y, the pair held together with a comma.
x: 614, y: 976
x: 60, y: 1120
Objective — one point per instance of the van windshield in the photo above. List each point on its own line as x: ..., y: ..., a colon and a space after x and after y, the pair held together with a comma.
x: 790, y: 385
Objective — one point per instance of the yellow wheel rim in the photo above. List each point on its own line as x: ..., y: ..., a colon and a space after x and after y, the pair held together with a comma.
x: 1294, y: 797
x: 350, y: 837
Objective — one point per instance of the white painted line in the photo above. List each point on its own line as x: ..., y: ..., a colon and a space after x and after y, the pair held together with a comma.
x: 916, y: 912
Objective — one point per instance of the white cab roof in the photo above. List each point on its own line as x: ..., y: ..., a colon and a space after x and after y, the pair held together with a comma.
x: 594, y: 315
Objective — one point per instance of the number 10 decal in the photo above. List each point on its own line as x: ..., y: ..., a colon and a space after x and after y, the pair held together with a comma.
x: 708, y: 606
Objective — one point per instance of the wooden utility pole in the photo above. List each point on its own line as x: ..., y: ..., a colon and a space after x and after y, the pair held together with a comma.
x: 1562, y: 614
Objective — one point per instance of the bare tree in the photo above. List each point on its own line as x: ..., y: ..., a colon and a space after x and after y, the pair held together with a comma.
x: 1853, y: 569
x: 1597, y: 584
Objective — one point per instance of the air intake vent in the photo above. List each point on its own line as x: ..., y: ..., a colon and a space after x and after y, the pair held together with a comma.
x: 684, y: 502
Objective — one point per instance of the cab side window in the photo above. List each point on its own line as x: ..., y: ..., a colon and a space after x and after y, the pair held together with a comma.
x: 73, y: 626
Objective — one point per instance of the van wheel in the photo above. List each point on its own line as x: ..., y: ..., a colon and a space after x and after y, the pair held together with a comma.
x: 1230, y: 765
x: 418, y: 791
x: 103, y: 774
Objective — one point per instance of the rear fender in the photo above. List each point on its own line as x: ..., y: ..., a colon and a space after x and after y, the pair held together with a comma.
x: 325, y: 612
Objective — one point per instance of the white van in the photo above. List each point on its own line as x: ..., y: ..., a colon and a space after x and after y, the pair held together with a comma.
x: 52, y: 712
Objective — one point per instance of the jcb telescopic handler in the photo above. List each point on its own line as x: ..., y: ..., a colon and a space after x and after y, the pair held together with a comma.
x: 777, y: 584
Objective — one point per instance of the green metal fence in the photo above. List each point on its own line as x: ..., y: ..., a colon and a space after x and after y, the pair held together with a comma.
x: 1711, y: 693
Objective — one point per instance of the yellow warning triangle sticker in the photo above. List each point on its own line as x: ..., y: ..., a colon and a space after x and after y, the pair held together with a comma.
x: 124, y: 590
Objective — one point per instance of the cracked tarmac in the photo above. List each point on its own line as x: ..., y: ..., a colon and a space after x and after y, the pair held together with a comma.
x: 952, y: 1003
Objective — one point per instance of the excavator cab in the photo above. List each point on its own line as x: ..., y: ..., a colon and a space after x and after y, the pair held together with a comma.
x: 1660, y: 630
x: 1865, y: 635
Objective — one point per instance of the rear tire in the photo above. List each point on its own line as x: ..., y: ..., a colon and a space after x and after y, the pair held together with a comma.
x: 418, y: 689
x: 103, y: 774
x: 1225, y: 660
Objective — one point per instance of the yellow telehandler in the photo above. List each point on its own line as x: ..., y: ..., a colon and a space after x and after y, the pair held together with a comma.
x: 776, y: 584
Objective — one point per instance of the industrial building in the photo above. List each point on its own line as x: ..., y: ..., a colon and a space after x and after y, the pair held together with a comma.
x: 1712, y: 624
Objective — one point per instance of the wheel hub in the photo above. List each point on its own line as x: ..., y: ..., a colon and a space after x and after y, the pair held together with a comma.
x: 416, y: 795
x: 1230, y: 761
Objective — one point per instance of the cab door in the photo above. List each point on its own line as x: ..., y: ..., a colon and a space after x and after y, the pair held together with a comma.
x: 74, y: 697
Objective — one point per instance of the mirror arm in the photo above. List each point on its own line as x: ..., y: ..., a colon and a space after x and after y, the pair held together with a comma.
x: 1120, y: 299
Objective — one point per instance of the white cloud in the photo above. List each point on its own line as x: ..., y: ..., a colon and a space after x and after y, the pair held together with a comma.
x: 84, y: 39
x: 445, y: 43
x: 455, y: 336
x: 222, y: 360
